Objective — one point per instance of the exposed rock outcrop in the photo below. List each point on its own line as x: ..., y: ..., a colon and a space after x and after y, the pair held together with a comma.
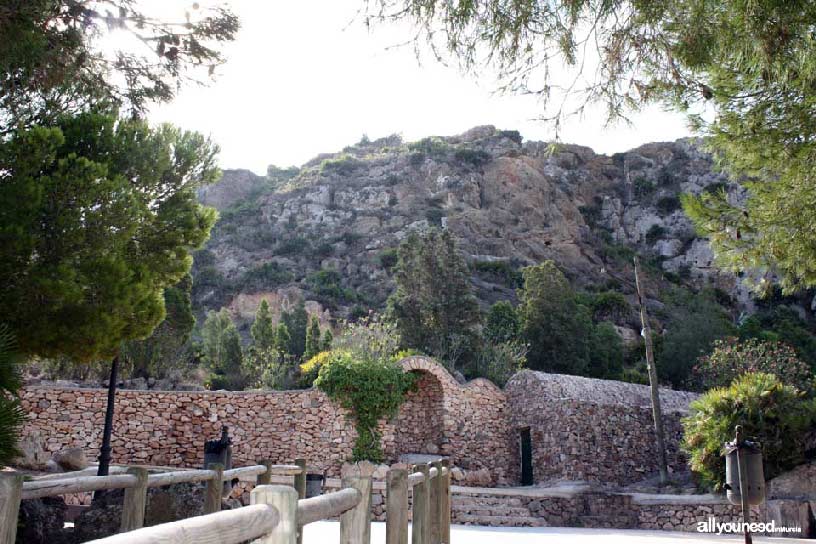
x: 509, y: 203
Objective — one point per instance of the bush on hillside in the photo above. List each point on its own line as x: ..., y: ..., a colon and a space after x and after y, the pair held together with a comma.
x: 775, y: 414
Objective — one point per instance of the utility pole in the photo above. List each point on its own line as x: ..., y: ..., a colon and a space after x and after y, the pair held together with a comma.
x: 657, y: 413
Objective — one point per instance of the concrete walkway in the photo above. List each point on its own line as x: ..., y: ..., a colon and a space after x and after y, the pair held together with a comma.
x: 328, y: 532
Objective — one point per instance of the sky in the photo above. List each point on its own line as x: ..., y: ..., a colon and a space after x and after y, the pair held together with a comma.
x: 309, y: 77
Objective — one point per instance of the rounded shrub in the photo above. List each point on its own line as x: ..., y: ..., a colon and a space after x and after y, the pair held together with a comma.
x: 371, y: 389
x: 777, y: 415
x: 732, y: 357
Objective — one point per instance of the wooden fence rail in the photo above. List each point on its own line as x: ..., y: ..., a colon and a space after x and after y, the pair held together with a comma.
x: 277, y: 514
x: 135, y: 483
x: 274, y: 516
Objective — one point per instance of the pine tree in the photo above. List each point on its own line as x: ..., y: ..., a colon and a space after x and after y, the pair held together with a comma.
x: 556, y: 328
x: 296, y: 321
x: 283, y: 340
x: 98, y: 217
x: 433, y: 306
x: 263, y: 330
x: 312, y: 339
x: 221, y: 349
x: 328, y: 338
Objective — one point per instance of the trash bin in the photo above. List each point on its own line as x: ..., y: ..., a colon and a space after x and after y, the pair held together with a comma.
x: 314, y: 484
x: 220, y: 451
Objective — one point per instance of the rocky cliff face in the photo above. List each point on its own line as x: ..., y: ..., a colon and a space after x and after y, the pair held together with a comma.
x: 327, y: 231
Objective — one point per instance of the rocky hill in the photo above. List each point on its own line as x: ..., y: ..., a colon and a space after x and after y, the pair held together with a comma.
x: 327, y: 231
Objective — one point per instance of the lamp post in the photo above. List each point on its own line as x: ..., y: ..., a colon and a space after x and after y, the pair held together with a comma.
x: 745, y: 479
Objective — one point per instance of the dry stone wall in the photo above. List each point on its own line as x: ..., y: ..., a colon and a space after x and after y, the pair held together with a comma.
x: 581, y: 429
x: 466, y: 422
x: 593, y: 430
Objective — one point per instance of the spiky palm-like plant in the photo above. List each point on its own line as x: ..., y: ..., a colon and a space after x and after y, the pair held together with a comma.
x: 11, y: 414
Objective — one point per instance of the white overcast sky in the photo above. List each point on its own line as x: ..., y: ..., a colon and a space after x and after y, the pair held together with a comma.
x: 307, y: 77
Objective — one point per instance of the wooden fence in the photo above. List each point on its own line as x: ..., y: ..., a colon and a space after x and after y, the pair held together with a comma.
x: 276, y: 513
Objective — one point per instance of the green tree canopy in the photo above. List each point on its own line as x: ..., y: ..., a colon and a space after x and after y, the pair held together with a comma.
x: 502, y: 323
x: 554, y: 325
x: 433, y: 306
x: 312, y: 339
x: 166, y: 347
x: 263, y: 330
x: 283, y: 340
x: 695, y: 322
x: 97, y: 218
x: 296, y: 321
x: 753, y: 64
x: 52, y: 61
x: 221, y: 350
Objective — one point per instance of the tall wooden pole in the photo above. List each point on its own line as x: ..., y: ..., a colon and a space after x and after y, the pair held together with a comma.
x: 657, y: 413
x: 105, y: 450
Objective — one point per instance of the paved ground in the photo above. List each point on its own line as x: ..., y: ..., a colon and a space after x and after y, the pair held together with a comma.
x: 327, y: 532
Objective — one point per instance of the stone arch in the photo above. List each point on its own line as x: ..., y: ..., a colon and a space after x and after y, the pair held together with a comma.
x: 419, y: 426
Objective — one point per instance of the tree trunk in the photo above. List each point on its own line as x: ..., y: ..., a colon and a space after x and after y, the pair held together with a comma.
x: 105, y: 450
x: 657, y: 412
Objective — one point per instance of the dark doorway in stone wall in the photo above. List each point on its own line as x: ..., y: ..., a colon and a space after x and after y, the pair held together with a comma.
x: 526, y: 449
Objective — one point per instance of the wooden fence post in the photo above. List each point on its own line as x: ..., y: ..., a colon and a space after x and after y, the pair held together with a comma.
x: 444, y: 494
x: 215, y: 488
x: 264, y: 479
x: 285, y: 500
x: 421, y: 527
x: 300, y: 479
x: 396, y: 506
x: 133, y: 506
x: 433, y: 503
x: 355, y: 524
x: 300, y: 487
x: 11, y: 491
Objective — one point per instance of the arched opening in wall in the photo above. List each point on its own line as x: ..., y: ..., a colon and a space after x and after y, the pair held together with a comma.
x: 419, y: 428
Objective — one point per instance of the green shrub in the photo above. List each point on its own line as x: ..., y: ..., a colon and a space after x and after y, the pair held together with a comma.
x: 432, y: 146
x: 667, y: 204
x: 326, y: 286
x: 591, y: 215
x: 776, y: 415
x: 655, y: 233
x: 605, y: 352
x: 292, y: 245
x: 371, y: 388
x: 12, y: 416
x: 606, y: 306
x: 265, y: 276
x: 342, y: 165
x: 514, y: 135
x: 498, y: 362
x: 388, y: 258
x: 643, y: 187
x: 473, y: 157
x: 434, y: 216
x: 732, y: 357
x: 502, y: 323
x: 501, y: 272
